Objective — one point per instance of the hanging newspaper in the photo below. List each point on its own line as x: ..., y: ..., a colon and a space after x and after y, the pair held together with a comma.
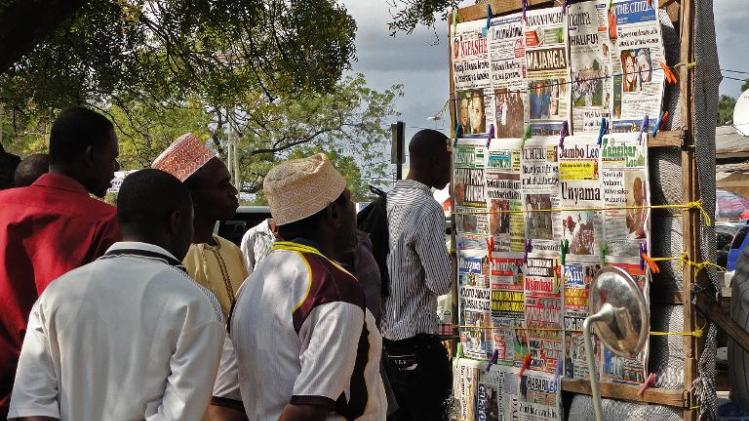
x: 465, y: 386
x: 507, y: 58
x: 578, y: 276
x: 548, y: 71
x: 533, y: 397
x: 614, y: 368
x: 540, y: 182
x: 504, y: 201
x: 471, y: 74
x: 638, y: 81
x: 624, y: 169
x: 540, y: 178
x: 503, y: 395
x: 580, y: 195
x: 471, y: 219
x: 543, y: 312
x: 508, y: 308
x: 475, y: 321
x: 506, y: 230
x: 589, y: 65
x: 489, y: 396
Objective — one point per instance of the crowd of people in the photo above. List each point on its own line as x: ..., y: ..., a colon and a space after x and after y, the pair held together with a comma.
x: 141, y: 311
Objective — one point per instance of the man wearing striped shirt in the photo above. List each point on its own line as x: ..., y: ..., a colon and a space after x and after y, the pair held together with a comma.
x: 419, y: 267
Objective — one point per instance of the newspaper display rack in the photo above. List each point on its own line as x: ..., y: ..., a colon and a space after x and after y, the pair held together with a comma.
x: 487, y: 102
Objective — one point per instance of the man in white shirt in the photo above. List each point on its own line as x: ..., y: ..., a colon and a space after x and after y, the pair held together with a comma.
x: 307, y: 347
x: 419, y: 267
x: 257, y: 242
x: 129, y: 336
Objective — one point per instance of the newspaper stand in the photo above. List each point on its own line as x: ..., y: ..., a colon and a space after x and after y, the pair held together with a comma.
x: 681, y: 12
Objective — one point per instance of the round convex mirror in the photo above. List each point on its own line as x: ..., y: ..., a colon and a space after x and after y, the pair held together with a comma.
x: 627, y: 331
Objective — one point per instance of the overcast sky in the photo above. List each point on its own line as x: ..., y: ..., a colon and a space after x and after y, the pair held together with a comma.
x: 414, y: 61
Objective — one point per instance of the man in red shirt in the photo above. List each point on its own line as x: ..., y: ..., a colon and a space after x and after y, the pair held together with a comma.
x: 53, y: 226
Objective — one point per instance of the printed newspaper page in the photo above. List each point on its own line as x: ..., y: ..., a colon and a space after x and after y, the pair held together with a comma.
x: 624, y: 169
x: 507, y: 58
x: 589, y: 65
x: 465, y: 387
x: 638, y: 87
x: 548, y: 71
x: 533, y: 397
x: 475, y: 311
x: 580, y: 198
x: 578, y: 276
x: 471, y: 219
x: 471, y: 73
x: 503, y: 186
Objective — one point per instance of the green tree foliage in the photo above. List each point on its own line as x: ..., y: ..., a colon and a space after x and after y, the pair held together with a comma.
x: 166, y: 52
x: 725, y: 109
x: 745, y: 85
x: 266, y: 76
x: 349, y: 123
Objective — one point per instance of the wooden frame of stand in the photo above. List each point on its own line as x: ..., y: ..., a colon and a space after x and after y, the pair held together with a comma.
x: 681, y: 13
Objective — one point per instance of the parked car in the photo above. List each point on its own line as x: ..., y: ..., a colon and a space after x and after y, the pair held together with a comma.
x: 246, y: 217
x: 738, y: 244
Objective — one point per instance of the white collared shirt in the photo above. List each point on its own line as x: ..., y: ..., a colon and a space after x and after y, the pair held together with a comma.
x: 256, y: 244
x: 125, y: 337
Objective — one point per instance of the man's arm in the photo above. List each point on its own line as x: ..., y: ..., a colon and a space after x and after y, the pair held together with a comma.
x: 193, y: 371
x: 226, y: 404
x: 35, y: 394
x: 303, y: 413
x: 331, y: 332
x: 431, y: 249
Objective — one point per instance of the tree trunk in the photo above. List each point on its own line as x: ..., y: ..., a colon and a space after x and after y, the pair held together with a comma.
x: 26, y: 23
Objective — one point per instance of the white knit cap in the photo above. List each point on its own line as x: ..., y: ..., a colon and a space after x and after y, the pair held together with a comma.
x: 299, y: 188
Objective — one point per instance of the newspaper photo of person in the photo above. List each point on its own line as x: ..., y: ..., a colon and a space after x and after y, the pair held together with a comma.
x: 631, y: 82
x: 471, y: 113
x: 637, y: 214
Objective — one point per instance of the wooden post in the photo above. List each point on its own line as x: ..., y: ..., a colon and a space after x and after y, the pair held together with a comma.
x: 690, y: 189
x: 453, y: 253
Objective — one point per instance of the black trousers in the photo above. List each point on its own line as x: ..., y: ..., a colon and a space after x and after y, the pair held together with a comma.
x: 420, y: 374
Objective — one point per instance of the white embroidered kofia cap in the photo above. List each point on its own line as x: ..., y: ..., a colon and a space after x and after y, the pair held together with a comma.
x: 299, y: 188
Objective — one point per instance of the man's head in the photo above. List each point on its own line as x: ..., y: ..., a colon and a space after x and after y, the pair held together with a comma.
x: 31, y: 168
x: 308, y: 198
x: 154, y: 207
x: 214, y: 196
x: 83, y: 145
x: 187, y: 158
x: 429, y: 158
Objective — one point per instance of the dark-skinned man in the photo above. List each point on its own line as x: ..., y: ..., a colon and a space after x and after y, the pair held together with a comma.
x: 129, y: 336
x: 307, y: 347
x: 53, y: 226
x: 419, y: 267
x: 214, y: 262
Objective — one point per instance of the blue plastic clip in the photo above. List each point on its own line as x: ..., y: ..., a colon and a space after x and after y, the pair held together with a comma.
x: 643, y: 250
x: 458, y: 130
x: 657, y: 124
x: 488, y: 15
x: 601, y: 131
x: 493, y: 360
x: 564, y: 6
x: 643, y: 128
x: 564, y: 132
x: 525, y: 9
x: 490, y: 136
